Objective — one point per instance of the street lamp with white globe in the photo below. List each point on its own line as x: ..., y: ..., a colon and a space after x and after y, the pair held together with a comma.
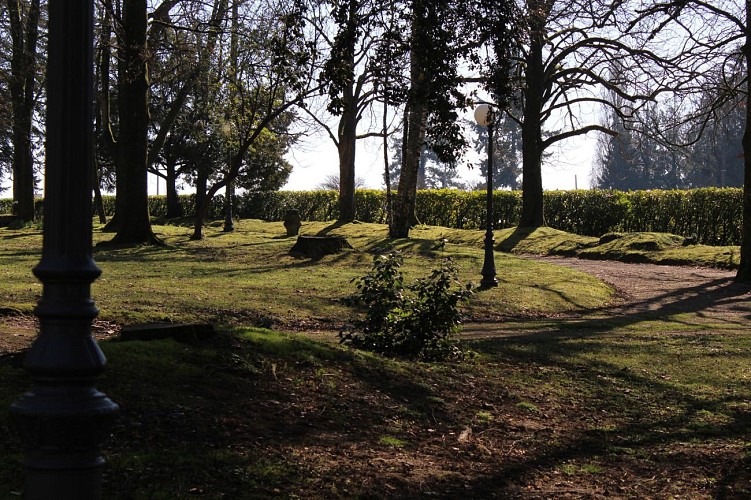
x: 485, y: 117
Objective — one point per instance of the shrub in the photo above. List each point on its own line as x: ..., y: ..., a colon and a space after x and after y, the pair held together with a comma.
x: 418, y: 321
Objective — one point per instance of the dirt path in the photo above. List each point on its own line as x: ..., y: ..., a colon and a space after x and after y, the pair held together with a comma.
x: 649, y: 288
x: 646, y: 291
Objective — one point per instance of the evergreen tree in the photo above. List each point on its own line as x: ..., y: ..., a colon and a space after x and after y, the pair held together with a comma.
x: 507, y: 152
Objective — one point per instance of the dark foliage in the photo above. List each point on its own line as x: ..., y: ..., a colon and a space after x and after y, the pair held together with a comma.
x: 418, y: 321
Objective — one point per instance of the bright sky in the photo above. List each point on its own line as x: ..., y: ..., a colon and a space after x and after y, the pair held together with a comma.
x: 315, y: 157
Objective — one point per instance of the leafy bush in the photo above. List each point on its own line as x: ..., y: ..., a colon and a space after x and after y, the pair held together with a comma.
x: 418, y: 321
x: 587, y: 213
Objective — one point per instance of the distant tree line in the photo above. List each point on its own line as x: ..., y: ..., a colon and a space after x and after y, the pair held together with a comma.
x: 685, y: 154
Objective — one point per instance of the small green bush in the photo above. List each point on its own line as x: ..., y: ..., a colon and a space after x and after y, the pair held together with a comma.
x: 418, y: 321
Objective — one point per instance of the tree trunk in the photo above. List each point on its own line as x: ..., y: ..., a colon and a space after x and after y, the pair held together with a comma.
x: 132, y: 202
x: 415, y: 124
x: 103, y: 117
x: 98, y: 202
x: 23, y: 72
x: 347, y: 143
x: 532, y: 204
x: 404, y: 202
x: 347, y: 132
x: 202, y: 204
x: 744, y: 270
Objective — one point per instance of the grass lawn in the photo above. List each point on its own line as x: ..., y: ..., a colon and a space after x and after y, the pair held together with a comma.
x: 570, y: 406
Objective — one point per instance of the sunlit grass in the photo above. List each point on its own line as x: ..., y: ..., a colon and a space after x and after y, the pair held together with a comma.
x: 248, y: 276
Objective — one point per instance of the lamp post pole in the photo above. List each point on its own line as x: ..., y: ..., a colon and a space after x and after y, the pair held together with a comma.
x: 63, y: 419
x: 484, y: 115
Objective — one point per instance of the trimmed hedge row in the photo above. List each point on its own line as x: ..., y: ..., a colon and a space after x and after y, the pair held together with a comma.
x: 711, y: 215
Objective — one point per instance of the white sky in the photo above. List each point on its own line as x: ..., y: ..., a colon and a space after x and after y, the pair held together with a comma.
x: 315, y: 157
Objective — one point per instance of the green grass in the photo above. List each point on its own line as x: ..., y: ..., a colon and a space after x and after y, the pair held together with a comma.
x: 661, y: 248
x: 657, y: 248
x: 262, y: 414
x: 230, y: 278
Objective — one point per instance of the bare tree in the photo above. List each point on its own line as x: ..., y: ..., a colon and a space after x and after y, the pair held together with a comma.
x: 565, y: 59
x: 331, y: 183
x: 710, y: 37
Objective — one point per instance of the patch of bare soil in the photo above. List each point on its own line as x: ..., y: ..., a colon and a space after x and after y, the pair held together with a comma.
x: 653, y: 292
x: 18, y: 331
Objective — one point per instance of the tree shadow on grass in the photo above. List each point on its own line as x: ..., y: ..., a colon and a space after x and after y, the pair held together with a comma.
x: 509, y: 243
x: 665, y: 432
x: 661, y: 429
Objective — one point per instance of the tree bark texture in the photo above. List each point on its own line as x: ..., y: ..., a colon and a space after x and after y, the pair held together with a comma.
x: 347, y: 143
x: 24, y: 27
x: 532, y: 148
x: 404, y: 202
x: 132, y: 195
x: 415, y: 124
x: 347, y: 132
x: 202, y: 203
x: 744, y: 269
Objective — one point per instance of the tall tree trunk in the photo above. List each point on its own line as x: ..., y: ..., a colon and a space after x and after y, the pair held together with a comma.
x: 24, y: 37
x: 347, y: 133
x: 103, y: 122
x: 532, y: 204
x: 404, y: 202
x: 744, y: 270
x: 132, y: 203
x: 415, y: 125
x: 98, y: 202
x: 202, y: 203
x: 347, y: 142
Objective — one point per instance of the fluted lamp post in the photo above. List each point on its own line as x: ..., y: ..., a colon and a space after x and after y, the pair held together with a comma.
x: 62, y: 420
x: 485, y: 117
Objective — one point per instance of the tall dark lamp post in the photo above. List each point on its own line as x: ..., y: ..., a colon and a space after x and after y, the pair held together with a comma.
x: 485, y: 117
x: 63, y: 419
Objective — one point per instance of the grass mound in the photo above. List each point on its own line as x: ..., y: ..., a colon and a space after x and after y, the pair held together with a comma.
x: 542, y: 241
x: 660, y: 248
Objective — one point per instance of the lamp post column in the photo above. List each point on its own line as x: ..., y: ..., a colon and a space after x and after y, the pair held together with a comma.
x: 63, y: 419
x: 488, y: 267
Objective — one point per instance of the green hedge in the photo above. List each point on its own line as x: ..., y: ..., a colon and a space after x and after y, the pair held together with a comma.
x: 712, y: 215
